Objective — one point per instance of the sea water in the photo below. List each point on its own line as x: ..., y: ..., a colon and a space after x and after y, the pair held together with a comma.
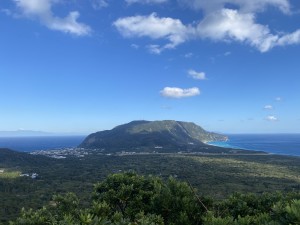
x: 284, y: 144
x: 28, y: 144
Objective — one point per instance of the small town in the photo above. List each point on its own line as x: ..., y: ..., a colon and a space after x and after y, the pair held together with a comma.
x: 63, y: 153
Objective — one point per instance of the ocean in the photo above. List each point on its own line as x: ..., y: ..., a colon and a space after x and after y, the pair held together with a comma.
x: 29, y: 144
x: 283, y: 144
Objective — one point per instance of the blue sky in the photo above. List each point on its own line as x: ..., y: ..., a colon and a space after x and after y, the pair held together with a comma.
x: 81, y: 66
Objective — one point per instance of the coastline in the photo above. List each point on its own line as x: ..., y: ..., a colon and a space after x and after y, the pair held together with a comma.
x: 286, y: 145
x: 273, y: 144
x: 238, y: 148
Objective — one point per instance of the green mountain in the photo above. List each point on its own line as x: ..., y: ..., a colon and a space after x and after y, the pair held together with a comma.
x: 145, y: 134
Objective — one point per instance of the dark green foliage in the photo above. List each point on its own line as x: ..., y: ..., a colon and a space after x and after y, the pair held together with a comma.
x: 130, y: 193
x: 11, y: 158
x: 127, y: 193
x: 132, y: 199
x: 249, y: 204
x: 250, y: 209
x: 122, y: 198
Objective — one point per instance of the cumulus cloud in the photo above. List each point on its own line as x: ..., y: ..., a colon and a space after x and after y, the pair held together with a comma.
x: 230, y: 25
x: 289, y: 39
x: 197, y: 75
x: 223, y: 20
x: 41, y: 10
x: 146, y: 1
x: 154, y: 27
x: 269, y: 107
x: 175, y: 92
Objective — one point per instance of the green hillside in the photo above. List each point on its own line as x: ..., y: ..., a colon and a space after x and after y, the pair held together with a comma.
x: 140, y: 134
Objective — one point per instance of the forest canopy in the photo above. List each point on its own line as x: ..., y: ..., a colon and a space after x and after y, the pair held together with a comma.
x: 129, y: 198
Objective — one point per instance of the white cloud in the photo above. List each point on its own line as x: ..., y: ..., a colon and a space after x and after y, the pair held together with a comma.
x: 220, y: 22
x: 230, y: 25
x: 269, y: 107
x: 272, y: 118
x: 289, y: 39
x: 239, y: 24
x: 99, y: 4
x: 224, y: 25
x: 175, y: 92
x: 278, y: 99
x: 41, y: 10
x: 146, y: 1
x: 154, y: 27
x: 197, y: 75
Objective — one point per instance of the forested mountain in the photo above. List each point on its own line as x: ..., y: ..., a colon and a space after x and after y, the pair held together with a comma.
x: 167, y: 133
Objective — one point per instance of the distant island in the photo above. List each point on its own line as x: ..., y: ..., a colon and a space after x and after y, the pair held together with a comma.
x: 24, y: 133
x: 152, y: 134
x: 36, y: 133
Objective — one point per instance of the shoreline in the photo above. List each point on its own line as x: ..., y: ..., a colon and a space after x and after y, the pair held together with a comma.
x: 237, y: 148
x: 247, y: 149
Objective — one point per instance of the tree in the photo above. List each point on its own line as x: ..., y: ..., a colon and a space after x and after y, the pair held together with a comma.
x: 131, y: 199
x: 126, y: 198
x: 130, y: 193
